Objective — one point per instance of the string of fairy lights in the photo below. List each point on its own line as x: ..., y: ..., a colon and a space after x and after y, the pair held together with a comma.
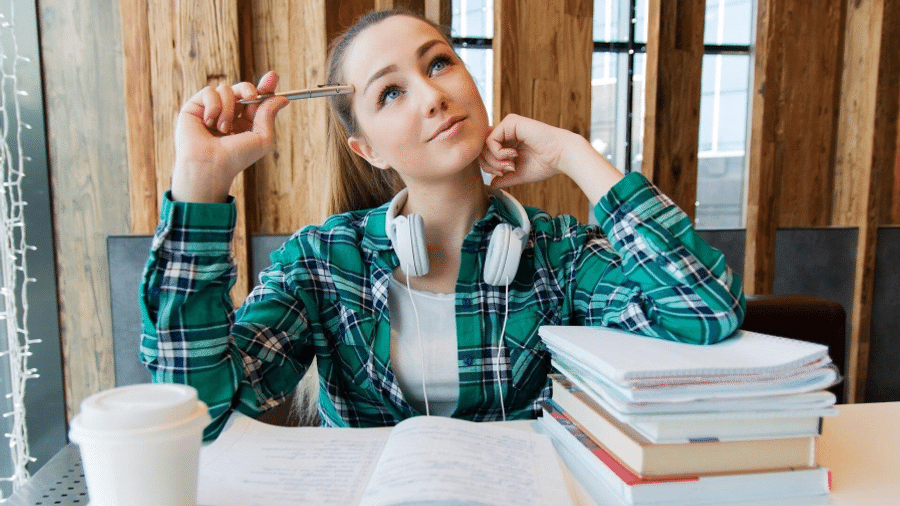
x: 14, y: 280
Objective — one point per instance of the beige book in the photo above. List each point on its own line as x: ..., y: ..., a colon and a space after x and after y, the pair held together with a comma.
x: 649, y: 459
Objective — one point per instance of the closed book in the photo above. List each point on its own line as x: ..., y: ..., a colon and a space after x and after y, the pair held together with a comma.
x: 647, y: 458
x: 601, y: 474
x: 611, y: 398
x: 625, y: 357
x: 698, y: 426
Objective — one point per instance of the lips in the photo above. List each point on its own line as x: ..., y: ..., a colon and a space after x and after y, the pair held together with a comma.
x: 446, y: 127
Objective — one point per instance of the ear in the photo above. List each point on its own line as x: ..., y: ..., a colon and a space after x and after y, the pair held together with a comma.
x: 362, y: 148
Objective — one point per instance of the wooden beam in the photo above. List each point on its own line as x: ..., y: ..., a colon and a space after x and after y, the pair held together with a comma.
x: 542, y: 70
x: 759, y: 269
x: 867, y: 149
x: 895, y: 195
x: 86, y: 143
x: 138, y: 111
x: 290, y: 181
x: 809, y: 39
x: 194, y: 45
x: 672, y: 120
x: 439, y: 11
x: 792, y: 133
x: 341, y: 14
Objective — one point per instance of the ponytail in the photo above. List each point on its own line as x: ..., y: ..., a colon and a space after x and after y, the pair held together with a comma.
x: 354, y: 183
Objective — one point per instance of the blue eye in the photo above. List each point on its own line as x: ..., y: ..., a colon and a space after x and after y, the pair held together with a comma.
x: 389, y: 94
x: 439, y: 64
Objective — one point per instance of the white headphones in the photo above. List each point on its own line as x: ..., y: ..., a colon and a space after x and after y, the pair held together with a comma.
x: 407, y: 235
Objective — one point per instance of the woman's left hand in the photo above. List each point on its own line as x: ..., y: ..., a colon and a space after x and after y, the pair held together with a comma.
x: 522, y: 150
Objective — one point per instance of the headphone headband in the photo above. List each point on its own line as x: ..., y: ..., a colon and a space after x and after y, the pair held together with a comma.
x: 511, y: 204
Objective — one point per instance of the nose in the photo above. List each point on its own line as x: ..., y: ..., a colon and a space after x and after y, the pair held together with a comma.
x: 434, y: 98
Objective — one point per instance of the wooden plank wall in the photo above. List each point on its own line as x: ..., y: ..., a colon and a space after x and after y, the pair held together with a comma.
x: 116, y: 75
x: 895, y: 207
x: 866, y: 154
x: 542, y: 67
x: 796, y: 84
x: 89, y: 179
x: 762, y: 206
x: 672, y: 121
x: 821, y: 150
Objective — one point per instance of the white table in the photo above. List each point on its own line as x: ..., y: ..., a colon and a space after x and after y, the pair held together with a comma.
x: 861, y: 447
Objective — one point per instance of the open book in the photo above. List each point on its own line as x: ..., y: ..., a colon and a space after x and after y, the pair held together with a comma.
x: 423, y: 460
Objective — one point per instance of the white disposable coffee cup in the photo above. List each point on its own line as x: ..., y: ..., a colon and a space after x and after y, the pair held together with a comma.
x: 140, y: 444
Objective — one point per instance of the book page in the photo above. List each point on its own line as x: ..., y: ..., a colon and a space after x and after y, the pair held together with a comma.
x: 434, y: 460
x: 256, y: 464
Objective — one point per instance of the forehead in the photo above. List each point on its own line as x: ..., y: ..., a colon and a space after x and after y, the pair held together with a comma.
x: 385, y: 43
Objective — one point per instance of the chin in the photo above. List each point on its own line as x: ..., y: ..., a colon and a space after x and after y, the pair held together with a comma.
x: 464, y: 157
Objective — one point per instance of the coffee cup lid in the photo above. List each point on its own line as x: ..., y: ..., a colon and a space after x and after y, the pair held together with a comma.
x: 139, y: 407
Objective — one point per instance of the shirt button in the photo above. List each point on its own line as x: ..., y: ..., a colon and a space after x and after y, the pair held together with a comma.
x: 471, y: 250
x: 661, y: 261
x: 626, y: 207
x: 466, y: 303
x: 468, y: 360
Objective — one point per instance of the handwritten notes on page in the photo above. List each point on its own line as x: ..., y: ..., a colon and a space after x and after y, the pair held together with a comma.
x: 445, y: 461
x: 256, y: 464
x: 423, y: 460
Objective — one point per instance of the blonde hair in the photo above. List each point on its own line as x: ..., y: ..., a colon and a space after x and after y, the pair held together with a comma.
x: 354, y: 183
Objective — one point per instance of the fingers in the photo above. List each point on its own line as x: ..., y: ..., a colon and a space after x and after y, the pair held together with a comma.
x: 500, y: 163
x: 206, y: 105
x: 264, y: 120
x: 268, y: 82
x: 226, y: 118
x: 497, y: 157
x: 220, y: 111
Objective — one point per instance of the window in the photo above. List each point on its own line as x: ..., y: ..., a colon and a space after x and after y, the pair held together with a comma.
x: 617, y: 86
x: 472, y: 30
x: 724, y: 114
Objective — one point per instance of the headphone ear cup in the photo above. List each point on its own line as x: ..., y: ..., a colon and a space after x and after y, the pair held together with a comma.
x: 502, y: 259
x: 409, y: 244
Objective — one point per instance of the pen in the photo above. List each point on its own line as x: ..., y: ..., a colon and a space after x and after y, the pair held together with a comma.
x: 320, y: 91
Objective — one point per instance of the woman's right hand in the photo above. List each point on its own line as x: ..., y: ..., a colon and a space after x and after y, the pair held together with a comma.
x: 216, y: 138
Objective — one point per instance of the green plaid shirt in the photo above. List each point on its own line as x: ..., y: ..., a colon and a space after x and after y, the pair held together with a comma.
x: 325, y: 295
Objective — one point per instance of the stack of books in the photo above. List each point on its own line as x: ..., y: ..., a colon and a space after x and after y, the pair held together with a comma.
x: 641, y: 420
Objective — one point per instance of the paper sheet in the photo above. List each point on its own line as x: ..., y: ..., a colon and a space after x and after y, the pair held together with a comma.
x: 255, y: 464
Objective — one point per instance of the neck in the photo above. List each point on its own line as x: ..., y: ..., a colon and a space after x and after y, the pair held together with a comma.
x: 449, y: 207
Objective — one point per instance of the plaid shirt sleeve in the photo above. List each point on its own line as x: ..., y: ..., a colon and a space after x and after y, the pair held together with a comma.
x: 645, y: 269
x: 187, y: 315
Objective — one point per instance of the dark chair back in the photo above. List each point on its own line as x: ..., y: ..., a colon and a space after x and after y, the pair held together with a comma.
x: 803, y: 317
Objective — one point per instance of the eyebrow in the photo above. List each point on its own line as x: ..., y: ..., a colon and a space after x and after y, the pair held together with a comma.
x: 393, y: 68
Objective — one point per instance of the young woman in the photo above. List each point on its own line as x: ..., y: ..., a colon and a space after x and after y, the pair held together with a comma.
x: 421, y: 301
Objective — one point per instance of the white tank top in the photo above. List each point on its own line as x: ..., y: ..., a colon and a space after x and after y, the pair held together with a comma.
x: 437, y: 323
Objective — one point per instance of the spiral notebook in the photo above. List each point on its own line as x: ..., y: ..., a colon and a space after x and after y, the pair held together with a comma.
x: 629, y: 359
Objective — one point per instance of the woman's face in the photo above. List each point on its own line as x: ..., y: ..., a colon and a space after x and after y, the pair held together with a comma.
x: 416, y: 105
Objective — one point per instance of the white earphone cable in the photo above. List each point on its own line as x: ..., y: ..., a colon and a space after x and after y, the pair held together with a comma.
x: 412, y: 301
x: 500, y: 351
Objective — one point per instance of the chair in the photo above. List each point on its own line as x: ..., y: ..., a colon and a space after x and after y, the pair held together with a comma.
x: 803, y: 317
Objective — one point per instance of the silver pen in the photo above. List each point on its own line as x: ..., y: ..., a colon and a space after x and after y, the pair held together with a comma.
x: 319, y: 91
